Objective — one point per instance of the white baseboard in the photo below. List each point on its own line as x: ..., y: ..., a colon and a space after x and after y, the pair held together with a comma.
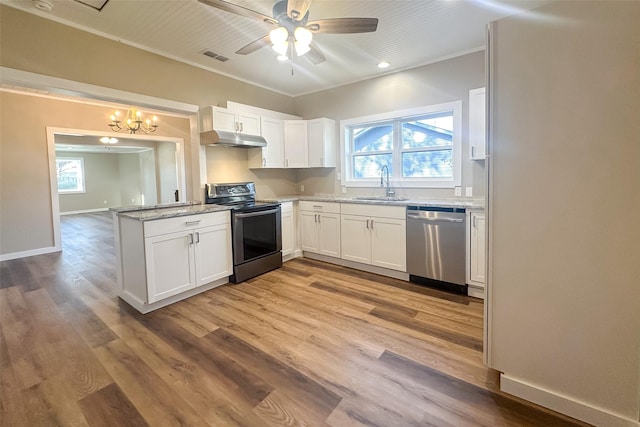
x: 32, y: 252
x: 358, y: 266
x: 564, y: 404
x: 84, y: 211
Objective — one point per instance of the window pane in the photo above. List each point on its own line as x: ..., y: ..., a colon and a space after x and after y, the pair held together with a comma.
x: 70, y: 175
x: 371, y: 165
x: 427, y: 164
x: 373, y: 138
x: 434, y: 130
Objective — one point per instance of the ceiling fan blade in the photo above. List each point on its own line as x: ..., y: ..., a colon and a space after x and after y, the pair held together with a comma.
x: 239, y: 10
x: 343, y: 25
x: 255, y: 45
x: 297, y: 9
x: 315, y: 54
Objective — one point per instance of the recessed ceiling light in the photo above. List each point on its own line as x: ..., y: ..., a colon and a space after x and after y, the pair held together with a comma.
x: 383, y: 64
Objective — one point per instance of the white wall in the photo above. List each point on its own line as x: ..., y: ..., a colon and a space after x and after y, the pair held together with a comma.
x: 564, y: 277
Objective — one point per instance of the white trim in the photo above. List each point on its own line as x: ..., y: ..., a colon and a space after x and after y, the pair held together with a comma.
x: 64, y: 89
x: 84, y: 211
x: 564, y: 404
x: 31, y: 252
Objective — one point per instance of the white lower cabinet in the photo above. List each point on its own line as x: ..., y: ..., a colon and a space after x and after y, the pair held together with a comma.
x: 320, y: 228
x: 164, y: 258
x: 476, y: 253
x: 374, y: 235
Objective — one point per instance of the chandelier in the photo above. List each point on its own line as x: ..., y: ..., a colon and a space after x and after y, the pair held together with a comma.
x: 133, y: 122
x: 281, y: 36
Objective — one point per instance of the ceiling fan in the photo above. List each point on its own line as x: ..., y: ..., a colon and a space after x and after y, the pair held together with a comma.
x: 293, y: 29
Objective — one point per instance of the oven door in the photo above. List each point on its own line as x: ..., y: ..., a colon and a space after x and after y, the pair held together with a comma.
x: 256, y: 233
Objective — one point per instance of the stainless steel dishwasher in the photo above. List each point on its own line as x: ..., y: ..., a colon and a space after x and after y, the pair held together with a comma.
x: 436, y: 247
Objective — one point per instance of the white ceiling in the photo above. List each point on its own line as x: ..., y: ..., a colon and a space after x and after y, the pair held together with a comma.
x: 91, y: 144
x: 410, y: 33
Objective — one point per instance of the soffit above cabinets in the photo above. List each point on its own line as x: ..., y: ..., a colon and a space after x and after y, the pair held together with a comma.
x: 410, y: 33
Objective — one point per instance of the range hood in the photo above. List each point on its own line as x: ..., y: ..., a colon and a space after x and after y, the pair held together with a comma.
x: 231, y: 139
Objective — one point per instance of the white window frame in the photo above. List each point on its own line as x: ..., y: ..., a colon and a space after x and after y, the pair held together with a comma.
x: 397, y: 180
x: 82, y: 178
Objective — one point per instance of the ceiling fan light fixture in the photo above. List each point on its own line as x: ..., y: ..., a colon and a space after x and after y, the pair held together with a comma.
x: 303, y: 36
x: 281, y: 49
x: 279, y: 36
x: 301, y: 48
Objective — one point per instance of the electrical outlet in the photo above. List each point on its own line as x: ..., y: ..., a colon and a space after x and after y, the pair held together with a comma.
x: 468, y: 191
x: 338, y: 176
x: 302, y: 188
x: 457, y: 191
x: 344, y: 189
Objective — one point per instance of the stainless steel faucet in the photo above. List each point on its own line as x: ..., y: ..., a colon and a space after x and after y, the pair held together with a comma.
x: 389, y: 193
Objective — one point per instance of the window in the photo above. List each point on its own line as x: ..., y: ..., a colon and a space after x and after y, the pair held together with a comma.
x: 70, y: 173
x: 421, y: 147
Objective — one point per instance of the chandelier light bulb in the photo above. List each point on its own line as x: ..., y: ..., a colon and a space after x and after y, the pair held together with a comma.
x: 301, y: 48
x: 133, y: 123
x: 281, y: 48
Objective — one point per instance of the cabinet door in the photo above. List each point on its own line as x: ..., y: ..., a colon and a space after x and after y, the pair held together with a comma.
x: 287, y: 233
x: 212, y: 253
x: 477, y: 250
x: 389, y: 243
x: 224, y: 119
x: 295, y: 144
x: 170, y: 264
x: 477, y: 124
x: 273, y: 153
x: 309, y: 231
x: 329, y: 234
x: 355, y: 238
x: 249, y: 123
x: 321, y: 141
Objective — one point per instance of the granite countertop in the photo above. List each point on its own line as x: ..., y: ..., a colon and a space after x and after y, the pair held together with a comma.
x: 149, y: 207
x: 150, y: 213
x: 447, y: 203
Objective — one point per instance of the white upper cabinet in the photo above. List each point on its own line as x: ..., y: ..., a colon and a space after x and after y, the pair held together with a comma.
x: 477, y: 124
x: 321, y: 141
x: 218, y: 118
x: 295, y: 144
x: 271, y: 156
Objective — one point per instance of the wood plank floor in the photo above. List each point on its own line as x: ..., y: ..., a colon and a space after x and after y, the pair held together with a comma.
x: 311, y: 344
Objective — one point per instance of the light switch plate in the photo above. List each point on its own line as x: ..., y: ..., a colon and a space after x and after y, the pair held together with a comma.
x: 468, y: 191
x: 344, y: 189
x: 338, y: 176
x: 458, y: 191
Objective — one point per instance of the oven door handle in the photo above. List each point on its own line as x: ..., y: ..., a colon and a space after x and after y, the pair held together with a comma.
x: 258, y: 213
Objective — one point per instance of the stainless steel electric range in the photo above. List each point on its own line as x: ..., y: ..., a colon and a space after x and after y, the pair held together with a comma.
x: 255, y: 229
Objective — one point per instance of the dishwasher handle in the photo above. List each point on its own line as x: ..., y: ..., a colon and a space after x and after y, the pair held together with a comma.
x: 418, y: 217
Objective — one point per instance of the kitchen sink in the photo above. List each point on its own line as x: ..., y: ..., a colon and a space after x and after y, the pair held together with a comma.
x: 381, y: 198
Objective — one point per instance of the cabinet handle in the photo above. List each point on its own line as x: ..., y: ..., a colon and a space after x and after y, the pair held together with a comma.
x: 197, y: 237
x: 241, y: 127
x: 191, y: 238
x: 321, y: 161
x: 264, y: 161
x: 194, y: 222
x: 473, y: 151
x: 319, y: 218
x: 286, y: 163
x: 372, y: 224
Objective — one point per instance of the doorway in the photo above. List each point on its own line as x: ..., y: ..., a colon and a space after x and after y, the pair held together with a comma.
x: 135, y: 170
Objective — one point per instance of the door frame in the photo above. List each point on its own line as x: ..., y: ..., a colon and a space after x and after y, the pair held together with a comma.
x: 53, y: 180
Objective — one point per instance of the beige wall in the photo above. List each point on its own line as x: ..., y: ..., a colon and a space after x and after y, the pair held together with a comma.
x: 431, y: 84
x: 25, y: 191
x: 564, y: 279
x: 101, y: 173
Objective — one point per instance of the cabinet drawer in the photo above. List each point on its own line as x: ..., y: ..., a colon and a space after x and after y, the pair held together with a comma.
x: 397, y: 212
x: 327, y: 207
x: 172, y: 225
